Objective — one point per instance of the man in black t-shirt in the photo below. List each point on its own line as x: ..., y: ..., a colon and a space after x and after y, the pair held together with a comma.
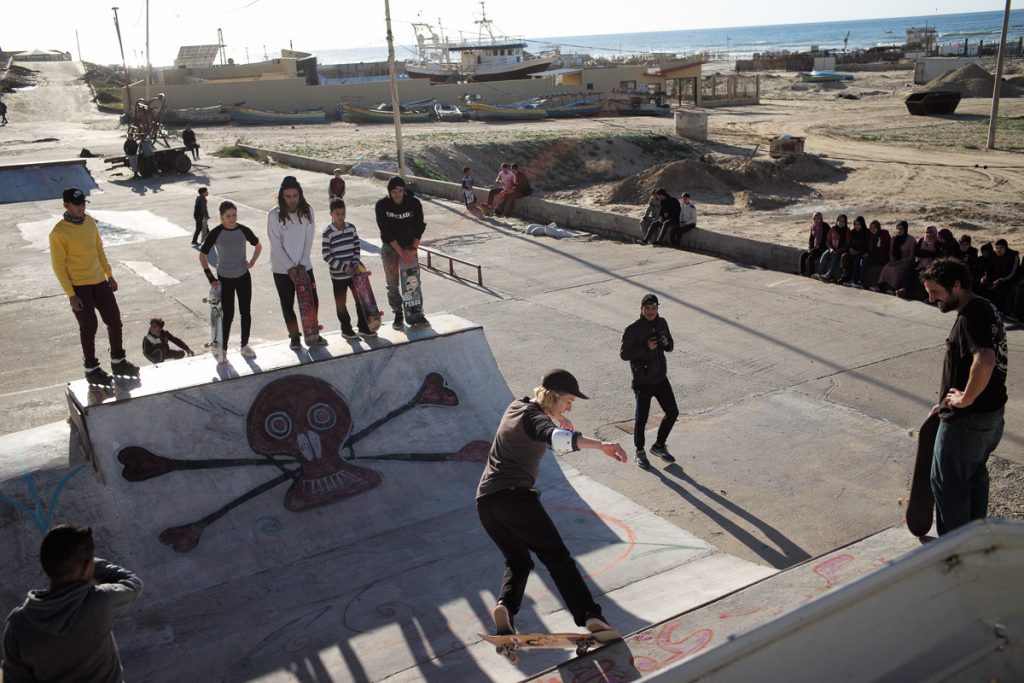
x: 972, y: 399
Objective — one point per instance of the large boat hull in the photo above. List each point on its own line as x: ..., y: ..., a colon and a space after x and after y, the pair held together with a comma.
x: 362, y: 115
x: 488, y: 112
x: 258, y: 116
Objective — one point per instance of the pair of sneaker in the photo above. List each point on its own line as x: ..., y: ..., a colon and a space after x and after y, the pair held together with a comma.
x: 351, y: 334
x: 295, y: 342
x: 659, y: 450
x: 505, y: 625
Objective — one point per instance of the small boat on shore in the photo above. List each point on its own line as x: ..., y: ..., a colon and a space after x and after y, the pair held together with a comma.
x: 575, y: 109
x: 522, y: 112
x: 935, y: 103
x: 240, y: 114
x: 824, y: 76
x: 197, y: 115
x: 382, y: 114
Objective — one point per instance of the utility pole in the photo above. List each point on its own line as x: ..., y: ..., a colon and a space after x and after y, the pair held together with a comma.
x: 998, y: 86
x: 79, y: 44
x: 127, y: 76
x: 396, y: 111
x: 149, y: 67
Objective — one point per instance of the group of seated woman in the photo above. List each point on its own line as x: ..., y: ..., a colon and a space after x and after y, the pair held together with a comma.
x: 868, y: 256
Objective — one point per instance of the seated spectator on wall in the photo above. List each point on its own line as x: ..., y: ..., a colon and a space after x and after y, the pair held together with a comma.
x: 879, y: 244
x: 926, y: 250
x: 948, y: 245
x: 815, y: 245
x: 1001, y: 274
x: 835, y: 246
x: 850, y: 263
x: 898, y: 271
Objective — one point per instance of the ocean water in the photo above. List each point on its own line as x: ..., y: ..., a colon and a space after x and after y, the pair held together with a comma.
x: 741, y: 42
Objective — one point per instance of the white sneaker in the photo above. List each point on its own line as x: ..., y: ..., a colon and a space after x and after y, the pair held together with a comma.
x: 248, y: 352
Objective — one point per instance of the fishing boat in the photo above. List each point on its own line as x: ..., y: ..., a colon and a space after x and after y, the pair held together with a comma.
x: 824, y: 76
x: 489, y: 58
x: 382, y: 114
x: 242, y: 114
x: 574, y: 109
x: 522, y: 112
x: 935, y: 103
x: 197, y: 115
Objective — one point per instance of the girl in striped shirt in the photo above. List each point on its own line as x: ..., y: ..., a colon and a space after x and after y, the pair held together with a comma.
x: 341, y: 252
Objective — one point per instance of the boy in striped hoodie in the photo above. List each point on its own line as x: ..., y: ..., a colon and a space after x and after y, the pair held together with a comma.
x: 341, y: 252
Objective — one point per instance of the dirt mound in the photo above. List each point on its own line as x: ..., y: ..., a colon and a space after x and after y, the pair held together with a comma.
x: 971, y: 80
x: 807, y: 168
x: 676, y: 177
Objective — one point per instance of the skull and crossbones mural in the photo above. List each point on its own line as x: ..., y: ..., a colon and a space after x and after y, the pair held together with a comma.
x: 301, y: 426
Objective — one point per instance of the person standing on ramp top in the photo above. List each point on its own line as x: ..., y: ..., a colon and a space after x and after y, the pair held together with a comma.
x: 401, y: 224
x: 972, y: 399
x: 510, y: 509
x: 644, y: 344
x: 291, y: 234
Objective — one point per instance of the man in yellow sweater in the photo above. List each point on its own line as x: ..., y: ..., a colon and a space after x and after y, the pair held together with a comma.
x: 81, y: 267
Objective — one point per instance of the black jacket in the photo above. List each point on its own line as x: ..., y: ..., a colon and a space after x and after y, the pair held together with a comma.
x: 648, y: 367
x: 400, y: 222
x: 670, y: 210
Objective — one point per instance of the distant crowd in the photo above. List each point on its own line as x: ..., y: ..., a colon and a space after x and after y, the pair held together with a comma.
x: 867, y: 255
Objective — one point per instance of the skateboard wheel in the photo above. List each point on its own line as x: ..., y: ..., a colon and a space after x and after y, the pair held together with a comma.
x: 582, y: 650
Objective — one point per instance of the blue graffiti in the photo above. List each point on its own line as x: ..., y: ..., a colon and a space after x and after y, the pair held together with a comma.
x: 41, y: 512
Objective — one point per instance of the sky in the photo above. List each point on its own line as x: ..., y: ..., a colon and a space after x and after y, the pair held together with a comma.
x: 269, y: 25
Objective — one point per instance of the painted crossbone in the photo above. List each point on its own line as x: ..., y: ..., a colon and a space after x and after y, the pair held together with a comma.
x: 300, y: 425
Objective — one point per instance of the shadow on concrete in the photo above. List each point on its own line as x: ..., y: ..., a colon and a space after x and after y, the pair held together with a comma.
x: 788, y: 553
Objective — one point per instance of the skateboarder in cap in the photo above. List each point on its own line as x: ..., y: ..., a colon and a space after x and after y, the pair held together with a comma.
x: 63, y: 633
x: 644, y: 344
x: 509, y: 506
x: 972, y: 397
x: 76, y: 253
x: 400, y: 220
x: 291, y: 233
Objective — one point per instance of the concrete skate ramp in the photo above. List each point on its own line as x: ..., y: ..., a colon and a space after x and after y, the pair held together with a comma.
x: 42, y: 180
x: 299, y: 518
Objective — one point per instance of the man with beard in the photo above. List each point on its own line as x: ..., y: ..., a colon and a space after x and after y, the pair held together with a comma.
x: 972, y: 397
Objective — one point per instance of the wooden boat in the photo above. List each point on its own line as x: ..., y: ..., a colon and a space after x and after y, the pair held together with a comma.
x: 381, y: 115
x: 574, y: 109
x: 935, y: 103
x: 824, y: 76
x: 242, y: 114
x: 197, y: 115
x: 489, y: 112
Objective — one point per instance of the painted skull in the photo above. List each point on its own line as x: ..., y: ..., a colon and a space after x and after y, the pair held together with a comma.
x: 307, y: 420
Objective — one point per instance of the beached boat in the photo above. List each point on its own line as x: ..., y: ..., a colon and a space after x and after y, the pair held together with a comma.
x: 935, y: 103
x: 242, y: 114
x: 197, y: 115
x: 382, y: 114
x: 489, y: 112
x: 574, y: 109
x: 824, y: 76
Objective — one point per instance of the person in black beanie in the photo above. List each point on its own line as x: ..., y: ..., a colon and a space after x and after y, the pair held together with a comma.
x: 400, y: 220
x: 644, y: 344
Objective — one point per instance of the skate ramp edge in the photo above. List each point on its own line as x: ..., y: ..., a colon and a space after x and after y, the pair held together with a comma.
x: 288, y: 459
x: 43, y: 180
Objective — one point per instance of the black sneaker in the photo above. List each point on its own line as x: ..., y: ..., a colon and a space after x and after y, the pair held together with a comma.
x: 315, y: 340
x: 419, y: 322
x: 349, y: 334
x: 504, y: 621
x: 641, y: 459
x: 662, y: 453
x: 124, y: 368
x: 398, y: 324
x: 294, y: 343
x: 99, y: 377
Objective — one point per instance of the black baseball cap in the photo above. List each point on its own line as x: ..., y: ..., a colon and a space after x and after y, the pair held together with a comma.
x: 396, y: 181
x: 562, y: 380
x: 648, y: 300
x: 73, y: 195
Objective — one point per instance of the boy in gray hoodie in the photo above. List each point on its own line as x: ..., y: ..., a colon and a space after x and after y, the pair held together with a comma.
x: 64, y: 633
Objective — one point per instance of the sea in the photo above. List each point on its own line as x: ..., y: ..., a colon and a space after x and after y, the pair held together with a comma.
x: 742, y: 42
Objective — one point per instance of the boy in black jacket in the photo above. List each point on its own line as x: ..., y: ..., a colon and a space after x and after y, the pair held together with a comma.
x: 644, y: 344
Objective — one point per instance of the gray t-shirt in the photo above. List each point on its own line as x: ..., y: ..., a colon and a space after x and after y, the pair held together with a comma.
x: 230, y: 246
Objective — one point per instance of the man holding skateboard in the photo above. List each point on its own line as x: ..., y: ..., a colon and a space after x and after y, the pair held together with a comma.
x: 400, y: 220
x: 644, y: 344
x: 510, y: 509
x: 291, y: 233
x: 972, y: 398
x: 80, y: 264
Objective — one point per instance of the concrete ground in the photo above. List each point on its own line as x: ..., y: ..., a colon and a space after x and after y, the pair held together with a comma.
x: 798, y: 399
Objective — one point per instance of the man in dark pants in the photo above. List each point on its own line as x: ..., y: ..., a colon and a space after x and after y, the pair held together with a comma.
x: 510, y: 509
x: 644, y: 344
x: 668, y: 219
x: 687, y: 220
x: 81, y: 267
x: 972, y: 398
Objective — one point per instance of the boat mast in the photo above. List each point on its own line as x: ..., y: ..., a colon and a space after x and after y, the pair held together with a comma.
x: 485, y: 24
x: 396, y: 110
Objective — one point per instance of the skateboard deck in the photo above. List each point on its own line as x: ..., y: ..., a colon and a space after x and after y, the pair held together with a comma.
x: 366, y: 300
x: 307, y: 306
x: 412, y: 292
x: 509, y: 646
x: 921, y: 505
x: 216, y: 319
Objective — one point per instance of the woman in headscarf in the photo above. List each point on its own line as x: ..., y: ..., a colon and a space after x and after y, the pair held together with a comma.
x: 898, y: 270
x: 815, y: 245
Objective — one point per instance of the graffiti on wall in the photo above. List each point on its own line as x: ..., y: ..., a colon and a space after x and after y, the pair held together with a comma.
x: 40, y: 509
x: 301, y: 427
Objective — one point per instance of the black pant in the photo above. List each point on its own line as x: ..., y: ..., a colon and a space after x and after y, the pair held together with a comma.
x: 341, y: 289
x: 666, y: 399
x: 160, y: 355
x: 100, y: 298
x: 658, y: 230
x: 518, y: 524
x: 675, y: 238
x: 229, y: 287
x: 809, y: 261
x: 286, y: 293
x: 201, y: 229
